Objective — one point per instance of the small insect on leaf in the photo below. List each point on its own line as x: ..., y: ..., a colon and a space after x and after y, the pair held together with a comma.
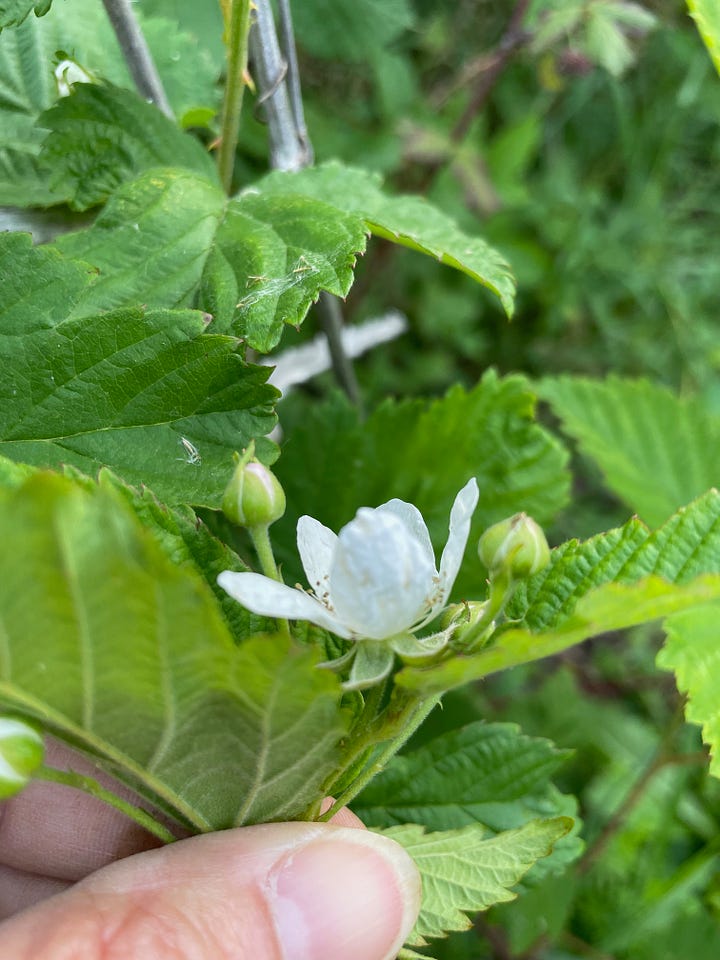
x: 192, y: 454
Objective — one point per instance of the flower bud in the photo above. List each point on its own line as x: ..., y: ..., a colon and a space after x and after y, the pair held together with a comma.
x: 21, y: 753
x: 254, y: 497
x: 516, y: 546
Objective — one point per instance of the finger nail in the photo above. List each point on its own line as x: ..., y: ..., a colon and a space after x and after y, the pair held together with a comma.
x: 352, y: 894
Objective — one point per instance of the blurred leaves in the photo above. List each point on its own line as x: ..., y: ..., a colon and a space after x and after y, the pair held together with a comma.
x: 656, y: 450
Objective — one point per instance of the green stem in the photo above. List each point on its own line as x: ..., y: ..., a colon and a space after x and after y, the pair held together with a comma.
x: 501, y: 589
x: 237, y: 58
x: 71, y: 779
x: 261, y: 541
x: 408, y: 720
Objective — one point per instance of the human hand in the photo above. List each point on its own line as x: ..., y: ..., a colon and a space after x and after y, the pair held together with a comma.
x: 286, y: 891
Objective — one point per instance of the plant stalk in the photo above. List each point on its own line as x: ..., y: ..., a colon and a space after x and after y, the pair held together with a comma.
x: 81, y: 782
x: 137, y: 54
x: 409, y: 719
x: 260, y: 537
x: 278, y: 82
x: 237, y: 59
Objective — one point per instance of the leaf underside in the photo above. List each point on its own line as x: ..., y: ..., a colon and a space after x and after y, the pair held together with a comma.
x: 212, y: 733
x: 463, y: 872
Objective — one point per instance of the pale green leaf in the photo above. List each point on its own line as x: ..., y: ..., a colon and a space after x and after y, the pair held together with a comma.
x: 102, y: 135
x: 114, y: 648
x: 408, y: 220
x: 616, y: 580
x: 606, y: 43
x: 254, y: 263
x: 13, y: 12
x: 692, y: 652
x: 706, y: 14
x: 657, y: 451
x: 463, y: 873
x: 424, y: 452
x: 149, y: 394
x: 271, y: 257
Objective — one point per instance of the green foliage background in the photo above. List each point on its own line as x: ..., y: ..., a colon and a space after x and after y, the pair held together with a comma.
x: 590, y: 165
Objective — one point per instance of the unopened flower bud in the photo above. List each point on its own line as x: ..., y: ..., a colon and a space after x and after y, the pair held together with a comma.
x: 516, y: 546
x: 254, y: 497
x: 21, y: 753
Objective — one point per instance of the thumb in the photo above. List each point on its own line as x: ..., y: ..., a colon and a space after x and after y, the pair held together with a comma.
x: 282, y: 891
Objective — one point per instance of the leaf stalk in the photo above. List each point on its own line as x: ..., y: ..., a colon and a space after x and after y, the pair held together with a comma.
x: 70, y: 778
x: 237, y: 59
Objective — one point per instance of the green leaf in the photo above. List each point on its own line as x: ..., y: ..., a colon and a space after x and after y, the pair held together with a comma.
x: 487, y: 773
x: 255, y: 262
x: 187, y: 541
x: 271, y: 257
x: 463, y: 873
x: 407, y: 220
x: 13, y: 12
x: 612, y: 581
x: 657, y: 451
x: 115, y: 649
x: 706, y: 15
x: 423, y: 452
x: 102, y: 135
x: 128, y: 389
x: 28, y: 86
x: 482, y: 773
x: 150, y: 242
x: 692, y: 652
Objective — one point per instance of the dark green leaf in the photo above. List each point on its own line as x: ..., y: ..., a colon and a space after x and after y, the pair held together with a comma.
x: 424, y: 452
x: 407, y: 220
x: 28, y: 85
x: 148, y: 394
x: 102, y: 135
x: 350, y: 29
x: 483, y: 773
x: 255, y: 262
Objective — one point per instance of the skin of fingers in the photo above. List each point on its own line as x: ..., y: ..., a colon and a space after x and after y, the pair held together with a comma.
x: 289, y: 891
x: 52, y: 836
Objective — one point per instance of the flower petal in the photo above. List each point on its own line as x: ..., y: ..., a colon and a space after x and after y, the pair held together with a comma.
x: 460, y: 517
x: 316, y: 545
x: 272, y: 599
x: 413, y: 520
x: 382, y: 580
